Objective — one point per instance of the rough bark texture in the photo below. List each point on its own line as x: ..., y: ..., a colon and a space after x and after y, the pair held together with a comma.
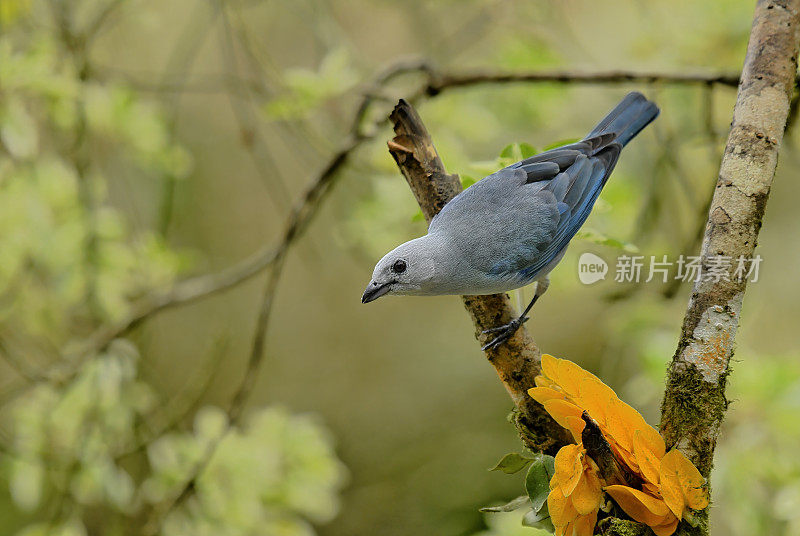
x: 518, y: 361
x: 694, y: 401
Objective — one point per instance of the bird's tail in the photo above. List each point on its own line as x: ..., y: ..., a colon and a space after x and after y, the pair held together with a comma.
x: 627, y: 119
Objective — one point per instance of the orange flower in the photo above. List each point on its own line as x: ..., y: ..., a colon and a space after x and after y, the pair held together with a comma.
x: 669, y: 482
x: 575, y: 493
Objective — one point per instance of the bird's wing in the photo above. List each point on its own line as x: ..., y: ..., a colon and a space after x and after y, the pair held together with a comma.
x: 575, y: 190
x: 515, y: 222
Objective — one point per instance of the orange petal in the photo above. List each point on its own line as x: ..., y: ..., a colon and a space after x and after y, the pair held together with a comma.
x: 543, y: 394
x: 640, y: 506
x: 584, y: 525
x: 623, y: 455
x: 670, y: 490
x: 587, y: 496
x: 596, y: 398
x: 575, y: 425
x: 651, y: 489
x: 560, y: 508
x: 676, y: 469
x: 569, y: 377
x: 591, y: 475
x: 666, y: 529
x: 696, y: 498
x: 622, y: 421
x: 569, y: 468
x: 653, y: 440
x: 543, y: 381
x: 549, y: 367
x: 645, y: 458
x: 560, y: 410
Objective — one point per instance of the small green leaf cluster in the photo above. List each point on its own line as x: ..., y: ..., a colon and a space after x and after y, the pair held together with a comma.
x: 305, y: 89
x: 70, y: 441
x: 89, y: 446
x: 69, y: 258
x: 274, y: 475
x: 73, y: 444
x: 541, y: 469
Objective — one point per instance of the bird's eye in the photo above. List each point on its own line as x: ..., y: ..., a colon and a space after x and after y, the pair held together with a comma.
x: 399, y: 267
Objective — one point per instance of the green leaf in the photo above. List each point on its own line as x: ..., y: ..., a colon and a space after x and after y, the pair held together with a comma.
x: 26, y: 484
x: 511, y: 150
x: 537, y: 481
x: 18, y: 131
x: 307, y: 89
x: 10, y: 10
x: 561, y: 143
x: 514, y: 153
x: 538, y: 520
x: 512, y: 463
x: 210, y: 422
x: 510, y: 506
x: 419, y: 216
x: 467, y: 181
x: 599, y: 238
x: 72, y: 527
x: 527, y: 150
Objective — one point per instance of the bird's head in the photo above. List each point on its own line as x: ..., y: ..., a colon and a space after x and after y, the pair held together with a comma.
x: 407, y: 269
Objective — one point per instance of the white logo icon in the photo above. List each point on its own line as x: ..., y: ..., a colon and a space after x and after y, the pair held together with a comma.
x: 591, y: 268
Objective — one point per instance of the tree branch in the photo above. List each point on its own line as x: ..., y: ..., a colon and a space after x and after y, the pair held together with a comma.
x: 438, y: 80
x: 517, y: 361
x: 441, y: 81
x: 694, y: 402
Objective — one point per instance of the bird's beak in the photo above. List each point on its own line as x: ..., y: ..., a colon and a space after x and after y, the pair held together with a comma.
x: 375, y: 290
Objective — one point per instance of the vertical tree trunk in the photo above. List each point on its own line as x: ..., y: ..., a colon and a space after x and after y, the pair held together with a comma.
x: 694, y: 401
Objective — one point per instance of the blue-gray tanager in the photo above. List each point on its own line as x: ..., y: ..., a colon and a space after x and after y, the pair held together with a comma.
x: 512, y: 228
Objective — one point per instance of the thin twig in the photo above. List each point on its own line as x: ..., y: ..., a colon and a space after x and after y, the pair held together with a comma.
x: 19, y: 364
x: 443, y: 80
x: 100, y: 19
x: 186, y: 403
x: 178, y: 66
x: 252, y: 138
x: 451, y: 80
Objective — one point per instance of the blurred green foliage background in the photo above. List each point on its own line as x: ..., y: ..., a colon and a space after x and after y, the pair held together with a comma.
x: 143, y: 142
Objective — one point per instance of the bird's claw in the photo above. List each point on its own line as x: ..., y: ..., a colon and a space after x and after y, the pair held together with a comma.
x: 505, y: 333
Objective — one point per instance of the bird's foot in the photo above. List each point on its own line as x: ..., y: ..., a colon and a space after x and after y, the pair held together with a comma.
x: 504, y: 332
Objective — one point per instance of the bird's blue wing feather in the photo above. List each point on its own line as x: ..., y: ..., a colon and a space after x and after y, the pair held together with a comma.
x: 509, y: 227
x: 514, y: 223
x: 587, y: 183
